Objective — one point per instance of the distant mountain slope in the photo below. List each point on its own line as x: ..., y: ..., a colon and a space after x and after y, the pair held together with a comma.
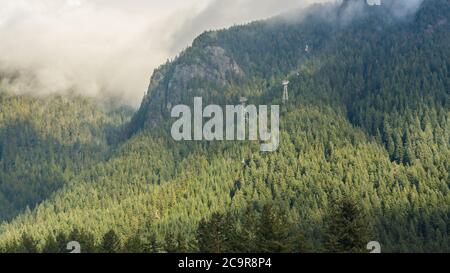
x: 367, y: 56
x: 368, y: 118
x: 45, y: 142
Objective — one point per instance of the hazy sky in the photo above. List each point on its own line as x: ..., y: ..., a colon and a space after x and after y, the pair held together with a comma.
x: 102, y: 47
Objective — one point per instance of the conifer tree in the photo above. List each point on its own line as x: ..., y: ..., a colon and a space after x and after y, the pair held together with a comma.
x: 110, y: 242
x: 273, y: 232
x: 347, y: 229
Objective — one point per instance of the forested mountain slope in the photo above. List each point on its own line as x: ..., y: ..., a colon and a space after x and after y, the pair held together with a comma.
x: 46, y: 141
x: 368, y: 119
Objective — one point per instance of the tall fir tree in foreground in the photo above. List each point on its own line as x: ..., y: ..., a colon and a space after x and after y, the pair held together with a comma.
x: 216, y: 234
x: 347, y: 228
x: 273, y: 231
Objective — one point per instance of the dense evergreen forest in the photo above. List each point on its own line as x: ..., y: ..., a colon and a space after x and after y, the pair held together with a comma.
x: 45, y: 142
x: 364, y: 153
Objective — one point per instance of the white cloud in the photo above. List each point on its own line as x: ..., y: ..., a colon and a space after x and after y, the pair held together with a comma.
x: 109, y: 47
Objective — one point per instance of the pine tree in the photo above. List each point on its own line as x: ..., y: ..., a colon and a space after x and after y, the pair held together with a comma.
x: 85, y: 238
x: 152, y: 244
x: 246, y: 237
x: 170, y: 242
x: 110, y: 242
x: 133, y: 245
x: 212, y: 235
x: 56, y: 245
x: 28, y: 244
x: 273, y: 233
x: 347, y: 229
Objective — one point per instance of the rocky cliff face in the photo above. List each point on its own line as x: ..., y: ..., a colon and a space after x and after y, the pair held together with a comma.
x: 215, y: 70
x: 199, y: 71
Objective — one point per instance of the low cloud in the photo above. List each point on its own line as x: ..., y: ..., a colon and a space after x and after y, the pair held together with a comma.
x: 105, y: 47
x: 220, y: 14
x: 110, y: 47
